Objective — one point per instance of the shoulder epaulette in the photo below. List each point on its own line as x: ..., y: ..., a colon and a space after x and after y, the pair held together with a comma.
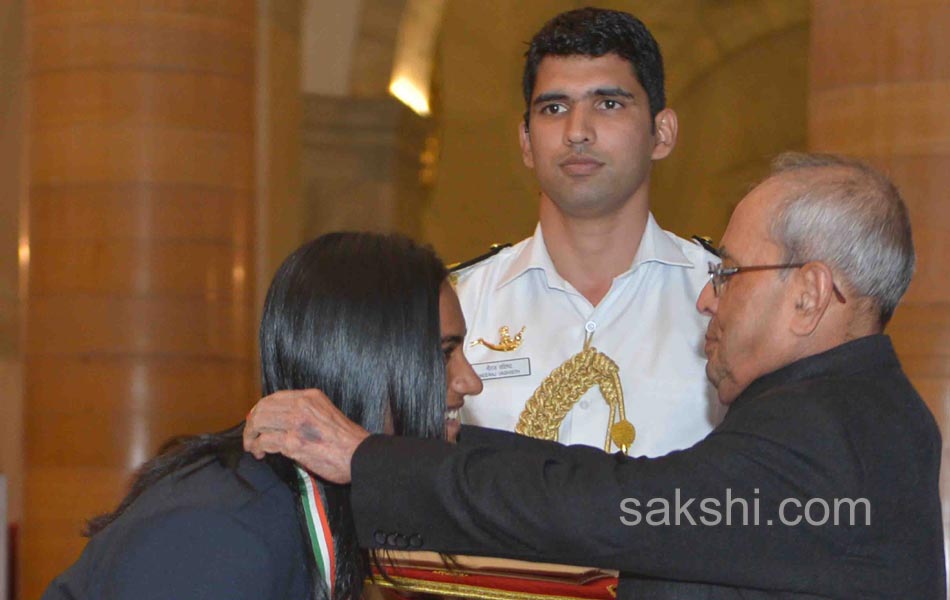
x: 707, y: 243
x: 492, y: 251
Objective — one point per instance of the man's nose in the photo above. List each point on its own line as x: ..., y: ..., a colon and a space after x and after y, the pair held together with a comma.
x: 579, y: 129
x: 707, y: 303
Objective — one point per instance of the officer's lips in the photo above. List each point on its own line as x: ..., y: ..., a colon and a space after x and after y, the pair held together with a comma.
x: 580, y: 165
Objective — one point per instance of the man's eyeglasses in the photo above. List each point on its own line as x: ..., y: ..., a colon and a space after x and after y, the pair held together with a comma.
x: 719, y: 274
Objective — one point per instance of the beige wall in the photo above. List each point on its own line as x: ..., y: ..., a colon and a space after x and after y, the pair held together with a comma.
x: 736, y: 74
x: 740, y: 103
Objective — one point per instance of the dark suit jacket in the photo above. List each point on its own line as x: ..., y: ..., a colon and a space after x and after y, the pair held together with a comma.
x: 843, y: 425
x: 201, y: 536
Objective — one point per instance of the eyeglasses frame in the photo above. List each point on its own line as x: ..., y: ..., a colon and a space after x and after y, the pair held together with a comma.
x: 719, y: 275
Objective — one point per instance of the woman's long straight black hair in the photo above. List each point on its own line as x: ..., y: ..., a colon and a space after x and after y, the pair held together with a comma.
x: 356, y: 315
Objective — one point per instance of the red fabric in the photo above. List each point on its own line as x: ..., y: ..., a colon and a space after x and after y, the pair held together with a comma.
x: 596, y: 589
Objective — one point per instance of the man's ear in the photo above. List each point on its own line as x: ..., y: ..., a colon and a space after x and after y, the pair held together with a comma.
x: 524, y: 136
x: 814, y: 292
x: 665, y: 126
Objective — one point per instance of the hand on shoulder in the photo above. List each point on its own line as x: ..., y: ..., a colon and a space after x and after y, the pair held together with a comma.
x: 306, y: 427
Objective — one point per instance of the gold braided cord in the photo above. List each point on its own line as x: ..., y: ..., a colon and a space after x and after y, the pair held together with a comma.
x: 557, y: 394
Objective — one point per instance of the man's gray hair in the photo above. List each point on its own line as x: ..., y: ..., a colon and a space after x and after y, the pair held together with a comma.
x: 851, y: 217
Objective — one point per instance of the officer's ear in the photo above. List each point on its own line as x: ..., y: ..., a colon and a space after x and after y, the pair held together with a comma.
x: 666, y: 127
x: 525, y: 138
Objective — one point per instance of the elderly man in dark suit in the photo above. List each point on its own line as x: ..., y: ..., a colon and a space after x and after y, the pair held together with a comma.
x: 821, y: 482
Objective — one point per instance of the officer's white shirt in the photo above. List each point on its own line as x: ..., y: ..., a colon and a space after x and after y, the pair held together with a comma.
x: 647, y: 323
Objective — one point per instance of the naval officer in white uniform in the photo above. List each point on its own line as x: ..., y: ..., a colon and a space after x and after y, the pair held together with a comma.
x: 598, y: 273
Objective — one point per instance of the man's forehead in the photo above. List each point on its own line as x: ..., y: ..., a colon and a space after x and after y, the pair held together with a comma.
x: 585, y: 72
x: 761, y: 202
x: 748, y: 228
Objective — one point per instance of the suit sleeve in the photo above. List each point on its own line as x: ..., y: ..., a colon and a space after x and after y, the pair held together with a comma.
x: 534, y: 500
x: 193, y: 554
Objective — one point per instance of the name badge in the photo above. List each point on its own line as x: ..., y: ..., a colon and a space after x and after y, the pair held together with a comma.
x: 502, y: 369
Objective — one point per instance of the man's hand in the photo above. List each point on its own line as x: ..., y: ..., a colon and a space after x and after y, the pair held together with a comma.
x: 305, y: 426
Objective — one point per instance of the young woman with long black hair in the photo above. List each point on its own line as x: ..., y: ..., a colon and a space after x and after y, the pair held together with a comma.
x: 371, y: 320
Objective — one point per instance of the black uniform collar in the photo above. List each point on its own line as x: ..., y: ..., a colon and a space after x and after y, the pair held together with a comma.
x: 869, y: 353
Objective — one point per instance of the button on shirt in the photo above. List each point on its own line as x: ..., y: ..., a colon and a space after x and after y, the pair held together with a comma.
x: 647, y: 323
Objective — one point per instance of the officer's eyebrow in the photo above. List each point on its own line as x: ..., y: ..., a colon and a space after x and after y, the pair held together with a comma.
x: 612, y: 91
x: 549, y: 97
x: 600, y: 92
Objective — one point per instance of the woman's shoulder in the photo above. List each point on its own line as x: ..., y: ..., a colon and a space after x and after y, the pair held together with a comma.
x: 243, y: 476
x: 200, y: 551
x: 249, y: 492
x: 231, y: 530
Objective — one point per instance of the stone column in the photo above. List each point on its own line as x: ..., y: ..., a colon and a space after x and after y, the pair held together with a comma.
x: 361, y: 165
x: 11, y: 195
x: 363, y: 150
x: 141, y: 231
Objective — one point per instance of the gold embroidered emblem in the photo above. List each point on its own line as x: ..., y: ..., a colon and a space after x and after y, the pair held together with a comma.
x: 557, y: 394
x: 506, y: 343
